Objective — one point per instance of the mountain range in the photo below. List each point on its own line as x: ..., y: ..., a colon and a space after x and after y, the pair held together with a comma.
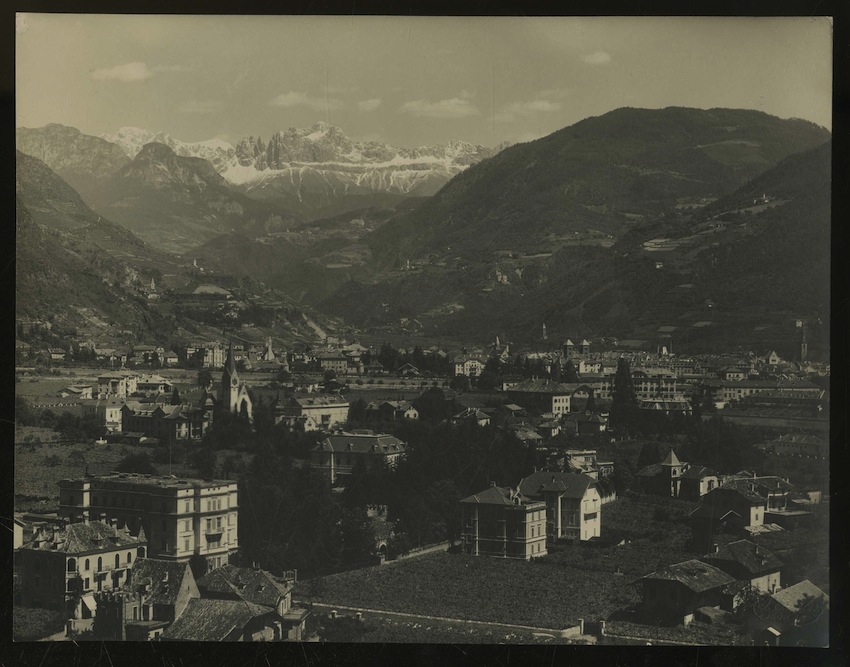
x: 711, y: 224
x: 311, y: 170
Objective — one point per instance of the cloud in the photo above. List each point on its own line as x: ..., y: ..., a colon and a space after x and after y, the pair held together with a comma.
x: 295, y: 99
x: 517, y: 110
x: 134, y: 71
x: 200, y: 106
x: 454, y: 107
x: 369, y: 105
x: 598, y: 58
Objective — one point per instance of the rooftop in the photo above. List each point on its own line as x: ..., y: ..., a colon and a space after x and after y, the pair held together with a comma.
x: 753, y: 558
x: 164, y: 577
x: 81, y: 538
x: 124, y: 479
x: 694, y: 574
x: 361, y: 443
x: 501, y: 495
x: 570, y: 485
x: 212, y: 620
x: 256, y: 586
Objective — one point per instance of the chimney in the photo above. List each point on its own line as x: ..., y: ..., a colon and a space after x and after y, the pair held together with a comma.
x: 492, y: 483
x: 715, y: 547
x: 114, y: 523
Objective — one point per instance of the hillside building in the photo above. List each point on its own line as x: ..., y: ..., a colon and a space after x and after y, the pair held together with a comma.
x: 338, y: 454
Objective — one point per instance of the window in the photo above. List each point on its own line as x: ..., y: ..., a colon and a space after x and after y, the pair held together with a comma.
x: 188, y: 506
x: 135, y: 613
x: 218, y: 523
x: 117, y: 560
x: 129, y: 557
x: 209, y: 525
x: 87, y: 584
x: 72, y: 565
x: 87, y: 565
x: 99, y: 563
x: 185, y: 545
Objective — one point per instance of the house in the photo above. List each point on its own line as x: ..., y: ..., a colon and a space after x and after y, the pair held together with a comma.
x: 338, y: 454
x: 729, y: 508
x: 55, y: 354
x: 468, y: 365
x: 542, y: 396
x: 471, y: 416
x: 105, y: 411
x: 61, y: 566
x: 748, y: 562
x: 375, y: 367
x: 117, y: 384
x: 573, y: 504
x: 258, y: 587
x: 333, y: 361
x: 81, y: 391
x: 778, y: 495
x: 392, y: 410
x: 408, y: 370
x: 674, y: 593
x: 182, y: 518
x: 155, y: 594
x: 325, y: 410
x: 153, y: 384
x: 795, y: 616
x: 501, y: 522
x: 586, y: 462
x: 585, y: 423
x: 807, y: 446
x: 170, y: 358
x: 696, y: 481
x: 663, y: 478
x: 168, y: 423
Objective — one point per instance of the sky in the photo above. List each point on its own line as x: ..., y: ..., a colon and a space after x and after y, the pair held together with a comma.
x: 407, y: 81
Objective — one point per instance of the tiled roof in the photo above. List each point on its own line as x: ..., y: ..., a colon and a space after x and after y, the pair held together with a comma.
x: 790, y: 597
x: 698, y: 472
x: 759, y: 486
x: 81, y: 538
x: 361, y: 443
x: 256, y: 586
x: 694, y: 574
x: 651, y: 470
x: 165, y: 578
x: 212, y: 620
x: 756, y: 560
x: 570, y: 485
x: 498, y: 495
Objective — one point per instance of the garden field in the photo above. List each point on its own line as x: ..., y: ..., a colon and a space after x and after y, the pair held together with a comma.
x: 541, y: 593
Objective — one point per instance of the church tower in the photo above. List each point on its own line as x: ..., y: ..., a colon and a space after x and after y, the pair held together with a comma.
x: 230, y: 382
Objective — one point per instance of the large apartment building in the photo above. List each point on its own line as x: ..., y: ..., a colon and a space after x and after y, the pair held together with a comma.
x: 182, y: 518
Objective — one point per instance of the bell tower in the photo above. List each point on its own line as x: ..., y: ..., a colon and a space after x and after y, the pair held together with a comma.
x: 230, y: 381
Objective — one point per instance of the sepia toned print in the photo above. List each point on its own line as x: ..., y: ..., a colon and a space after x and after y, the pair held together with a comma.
x: 422, y: 329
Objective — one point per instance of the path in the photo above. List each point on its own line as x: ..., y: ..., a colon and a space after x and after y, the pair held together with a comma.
x: 486, y: 625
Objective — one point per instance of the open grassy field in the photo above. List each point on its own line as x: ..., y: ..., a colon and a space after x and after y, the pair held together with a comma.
x: 541, y: 593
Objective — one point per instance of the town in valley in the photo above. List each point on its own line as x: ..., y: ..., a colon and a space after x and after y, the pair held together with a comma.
x: 570, y: 388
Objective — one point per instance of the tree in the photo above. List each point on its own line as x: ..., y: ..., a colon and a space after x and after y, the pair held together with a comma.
x: 205, y: 378
x: 569, y: 374
x: 140, y: 463
x: 175, y: 397
x: 624, y: 404
x: 357, y: 412
x: 590, y: 406
x: 490, y: 377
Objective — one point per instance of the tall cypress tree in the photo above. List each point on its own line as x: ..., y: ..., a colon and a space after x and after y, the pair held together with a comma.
x: 624, y: 404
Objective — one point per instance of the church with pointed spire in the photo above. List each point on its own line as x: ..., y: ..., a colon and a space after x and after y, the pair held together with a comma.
x: 233, y: 395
